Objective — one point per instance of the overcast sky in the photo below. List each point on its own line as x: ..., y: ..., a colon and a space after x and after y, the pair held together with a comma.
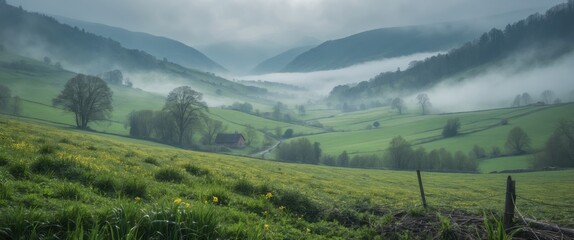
x: 280, y: 23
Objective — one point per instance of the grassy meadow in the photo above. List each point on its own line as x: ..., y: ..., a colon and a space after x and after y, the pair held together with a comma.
x: 115, y: 186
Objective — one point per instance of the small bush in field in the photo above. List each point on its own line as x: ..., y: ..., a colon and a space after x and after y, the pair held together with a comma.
x: 244, y: 187
x: 48, y: 149
x: 297, y: 203
x: 19, y: 170
x: 134, y: 188
x: 3, y: 160
x: 195, y: 171
x: 169, y: 175
x: 69, y: 191
x: 105, y: 184
x: 151, y: 161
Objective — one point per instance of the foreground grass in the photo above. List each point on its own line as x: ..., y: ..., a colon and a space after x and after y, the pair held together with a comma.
x: 60, y: 182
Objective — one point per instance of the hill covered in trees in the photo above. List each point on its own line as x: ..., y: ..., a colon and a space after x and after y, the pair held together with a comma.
x: 380, y: 43
x: 278, y: 62
x: 160, y: 47
x: 551, y: 35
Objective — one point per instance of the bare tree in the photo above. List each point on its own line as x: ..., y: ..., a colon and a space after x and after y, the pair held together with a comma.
x: 398, y: 104
x: 185, y: 105
x: 526, y: 99
x: 88, y: 97
x: 424, y: 102
x: 517, y: 141
x: 210, y: 130
x: 548, y: 96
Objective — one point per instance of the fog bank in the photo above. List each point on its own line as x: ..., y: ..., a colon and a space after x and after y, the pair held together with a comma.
x: 498, y: 87
x: 321, y: 82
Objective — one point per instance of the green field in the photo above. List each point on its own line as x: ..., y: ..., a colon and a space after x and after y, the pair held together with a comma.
x: 243, y: 209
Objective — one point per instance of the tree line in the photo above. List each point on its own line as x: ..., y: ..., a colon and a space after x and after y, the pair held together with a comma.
x: 9, y: 104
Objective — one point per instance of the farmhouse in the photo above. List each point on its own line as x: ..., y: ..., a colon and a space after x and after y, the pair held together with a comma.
x: 230, y: 139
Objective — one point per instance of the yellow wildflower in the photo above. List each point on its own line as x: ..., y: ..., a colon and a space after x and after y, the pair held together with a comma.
x: 307, y: 230
x: 268, y: 195
x: 177, y: 201
x: 282, y: 208
x: 187, y: 205
x: 266, y: 227
x: 137, y: 199
x: 215, y: 199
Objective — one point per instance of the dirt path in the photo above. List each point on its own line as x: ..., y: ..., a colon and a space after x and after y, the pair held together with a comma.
x: 268, y: 150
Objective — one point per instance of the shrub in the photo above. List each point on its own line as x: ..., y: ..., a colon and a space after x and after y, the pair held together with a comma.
x: 3, y: 160
x: 297, y: 203
x: 169, y: 175
x: 504, y: 121
x: 48, y: 149
x: 243, y: 186
x: 451, y: 128
x: 194, y: 170
x: 61, y: 168
x: 105, y: 184
x: 151, y: 161
x: 19, y: 170
x: 134, y: 188
x: 93, y: 148
x: 68, y: 191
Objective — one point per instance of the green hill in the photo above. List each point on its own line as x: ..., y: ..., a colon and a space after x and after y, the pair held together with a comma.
x: 547, y: 37
x: 159, y: 47
x: 278, y: 62
x: 56, y: 181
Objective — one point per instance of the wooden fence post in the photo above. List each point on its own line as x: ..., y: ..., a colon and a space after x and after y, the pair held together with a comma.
x: 509, y: 203
x: 421, y: 188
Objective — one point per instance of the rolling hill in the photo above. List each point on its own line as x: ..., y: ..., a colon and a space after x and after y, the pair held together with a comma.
x: 392, y: 42
x: 544, y: 38
x: 41, y: 37
x: 159, y: 47
x: 278, y: 62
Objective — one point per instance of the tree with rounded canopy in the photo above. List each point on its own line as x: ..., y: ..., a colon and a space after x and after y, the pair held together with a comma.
x: 5, y: 95
x: 185, y: 106
x: 88, y: 97
x: 517, y: 141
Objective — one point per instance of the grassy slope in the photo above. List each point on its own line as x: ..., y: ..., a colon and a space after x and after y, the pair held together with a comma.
x: 481, y: 128
x: 328, y: 186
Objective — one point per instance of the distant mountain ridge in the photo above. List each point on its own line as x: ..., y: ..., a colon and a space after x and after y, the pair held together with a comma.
x: 160, y: 47
x: 377, y: 44
x: 278, y: 62
x: 392, y: 42
x: 548, y: 37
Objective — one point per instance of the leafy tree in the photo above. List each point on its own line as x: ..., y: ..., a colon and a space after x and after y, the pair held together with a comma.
x: 288, y: 133
x: 517, y: 141
x: 210, y: 130
x: 5, y: 95
x: 424, y: 101
x: 329, y: 160
x: 317, y: 152
x: 376, y: 124
x: 399, y: 152
x: 517, y: 101
x: 16, y: 106
x: 140, y: 123
x: 477, y: 152
x: 88, y: 97
x: 47, y: 60
x: 451, y: 128
x: 185, y: 105
x: 250, y: 135
x: 399, y: 105
x: 343, y: 159
x: 164, y: 127
x: 559, y: 148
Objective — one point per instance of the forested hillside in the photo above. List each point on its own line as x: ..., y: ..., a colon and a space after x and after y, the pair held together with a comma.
x: 378, y: 44
x: 278, y: 62
x: 160, y: 47
x: 549, y: 35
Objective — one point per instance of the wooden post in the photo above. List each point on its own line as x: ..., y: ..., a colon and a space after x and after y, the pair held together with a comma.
x: 421, y: 188
x: 509, y: 203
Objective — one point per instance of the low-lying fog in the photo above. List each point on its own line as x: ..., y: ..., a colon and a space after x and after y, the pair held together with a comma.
x: 321, y: 82
x: 495, y: 88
